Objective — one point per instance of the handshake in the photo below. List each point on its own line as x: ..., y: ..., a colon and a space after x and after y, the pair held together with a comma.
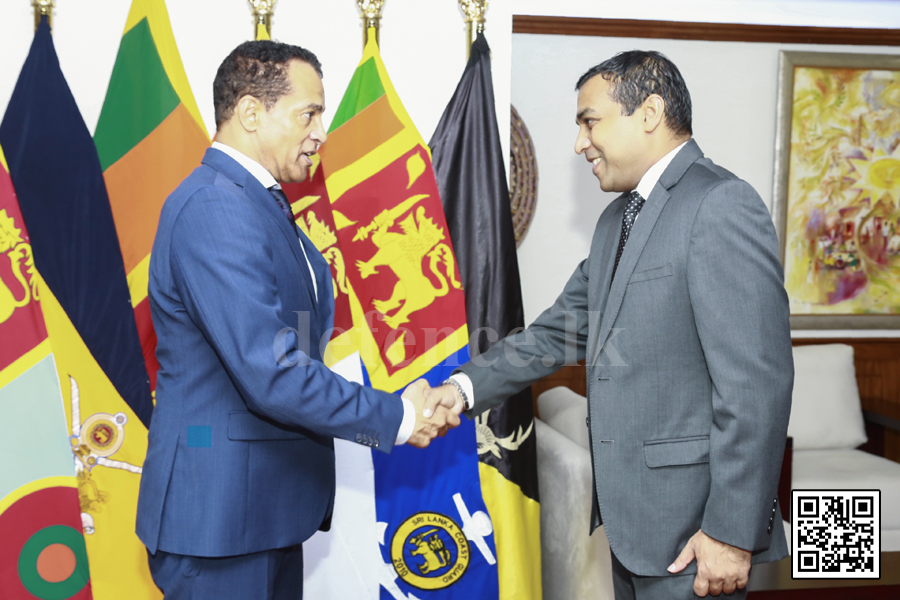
x: 437, y: 410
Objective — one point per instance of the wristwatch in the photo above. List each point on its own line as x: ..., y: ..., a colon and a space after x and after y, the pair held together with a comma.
x: 462, y: 393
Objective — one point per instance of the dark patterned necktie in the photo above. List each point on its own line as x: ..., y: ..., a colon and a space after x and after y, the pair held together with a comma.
x: 635, y: 203
x: 283, y: 204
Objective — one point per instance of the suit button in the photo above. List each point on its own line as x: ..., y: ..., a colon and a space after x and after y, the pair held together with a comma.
x: 769, y: 529
x: 376, y: 443
x: 774, y: 501
x: 358, y: 438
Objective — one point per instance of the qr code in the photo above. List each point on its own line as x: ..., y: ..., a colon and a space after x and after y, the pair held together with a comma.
x: 835, y: 534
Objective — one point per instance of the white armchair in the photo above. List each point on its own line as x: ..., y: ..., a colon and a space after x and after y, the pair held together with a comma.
x: 576, y: 566
x: 827, y: 428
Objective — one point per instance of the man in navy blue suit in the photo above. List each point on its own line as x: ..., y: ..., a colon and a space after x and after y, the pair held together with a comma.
x: 240, y: 459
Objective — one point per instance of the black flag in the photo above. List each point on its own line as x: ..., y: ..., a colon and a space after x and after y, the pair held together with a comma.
x: 468, y: 164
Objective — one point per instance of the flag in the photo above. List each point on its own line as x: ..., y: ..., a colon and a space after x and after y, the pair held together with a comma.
x: 42, y: 552
x: 468, y: 165
x: 88, y: 313
x: 149, y: 137
x: 372, y: 207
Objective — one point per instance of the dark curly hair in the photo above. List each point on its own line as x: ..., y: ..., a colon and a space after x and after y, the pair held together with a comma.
x: 258, y: 69
x: 635, y: 75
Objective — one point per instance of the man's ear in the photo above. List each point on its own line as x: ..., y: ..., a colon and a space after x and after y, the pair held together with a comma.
x: 653, y: 110
x: 248, y: 111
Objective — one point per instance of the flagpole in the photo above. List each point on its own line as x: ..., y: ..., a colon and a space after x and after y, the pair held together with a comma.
x: 41, y: 8
x: 474, y: 14
x: 263, y: 11
x: 370, y: 11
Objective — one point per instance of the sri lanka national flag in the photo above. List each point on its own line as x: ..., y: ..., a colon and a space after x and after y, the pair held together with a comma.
x: 88, y: 314
x: 372, y: 207
x: 42, y: 551
x: 149, y: 137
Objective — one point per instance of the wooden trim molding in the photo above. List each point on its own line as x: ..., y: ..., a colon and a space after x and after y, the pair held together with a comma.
x: 877, y: 362
x: 713, y: 32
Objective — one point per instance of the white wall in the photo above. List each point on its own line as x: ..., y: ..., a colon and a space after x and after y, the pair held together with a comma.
x: 824, y: 13
x: 733, y: 89
x: 423, y: 47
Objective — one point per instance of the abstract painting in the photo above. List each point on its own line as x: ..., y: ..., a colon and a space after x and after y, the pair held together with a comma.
x: 837, y: 195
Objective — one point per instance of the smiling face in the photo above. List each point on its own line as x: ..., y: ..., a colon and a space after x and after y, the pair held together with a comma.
x: 290, y: 132
x: 613, y: 143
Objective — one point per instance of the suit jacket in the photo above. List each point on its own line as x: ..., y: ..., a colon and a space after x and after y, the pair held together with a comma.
x: 240, y: 454
x: 689, y: 367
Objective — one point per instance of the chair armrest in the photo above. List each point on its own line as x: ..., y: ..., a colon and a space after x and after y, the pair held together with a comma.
x: 876, y: 423
x: 880, y: 419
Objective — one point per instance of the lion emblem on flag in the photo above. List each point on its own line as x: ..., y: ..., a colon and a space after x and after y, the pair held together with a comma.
x: 403, y: 254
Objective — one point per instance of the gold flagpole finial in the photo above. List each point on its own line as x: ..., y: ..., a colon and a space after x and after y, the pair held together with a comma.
x: 474, y: 15
x: 263, y: 11
x: 370, y: 10
x: 41, y: 8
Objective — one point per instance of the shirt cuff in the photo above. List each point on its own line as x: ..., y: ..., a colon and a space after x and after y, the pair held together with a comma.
x: 407, y: 424
x: 466, y: 384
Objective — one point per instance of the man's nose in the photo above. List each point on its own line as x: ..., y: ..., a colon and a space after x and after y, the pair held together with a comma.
x: 318, y: 133
x: 582, y: 143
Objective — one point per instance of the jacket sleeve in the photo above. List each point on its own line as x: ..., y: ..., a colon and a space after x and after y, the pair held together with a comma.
x: 223, y: 266
x: 740, y: 307
x: 557, y: 337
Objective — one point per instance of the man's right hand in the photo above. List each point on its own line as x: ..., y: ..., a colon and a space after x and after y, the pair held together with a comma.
x: 446, y: 396
x: 427, y: 428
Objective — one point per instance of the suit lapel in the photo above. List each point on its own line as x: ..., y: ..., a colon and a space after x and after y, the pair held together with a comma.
x: 640, y: 233
x: 602, y: 271
x: 261, y: 198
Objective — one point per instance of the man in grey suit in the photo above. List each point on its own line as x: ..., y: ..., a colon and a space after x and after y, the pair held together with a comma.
x: 681, y: 315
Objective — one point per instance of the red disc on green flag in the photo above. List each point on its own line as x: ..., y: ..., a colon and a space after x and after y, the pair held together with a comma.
x: 42, y: 553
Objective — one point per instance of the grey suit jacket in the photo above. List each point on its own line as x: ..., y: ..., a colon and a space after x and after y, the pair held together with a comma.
x: 689, y: 367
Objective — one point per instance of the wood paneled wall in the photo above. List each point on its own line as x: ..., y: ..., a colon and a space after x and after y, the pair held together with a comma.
x: 877, y: 373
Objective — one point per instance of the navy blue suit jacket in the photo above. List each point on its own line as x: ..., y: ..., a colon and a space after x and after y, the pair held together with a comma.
x: 240, y: 456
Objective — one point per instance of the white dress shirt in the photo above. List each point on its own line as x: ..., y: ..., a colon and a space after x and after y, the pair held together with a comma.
x: 644, y: 187
x: 267, y: 181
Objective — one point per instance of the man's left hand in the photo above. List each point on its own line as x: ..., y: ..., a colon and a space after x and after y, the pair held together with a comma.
x: 720, y: 567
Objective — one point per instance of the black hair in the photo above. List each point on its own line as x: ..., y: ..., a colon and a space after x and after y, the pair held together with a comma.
x: 635, y: 75
x: 258, y: 69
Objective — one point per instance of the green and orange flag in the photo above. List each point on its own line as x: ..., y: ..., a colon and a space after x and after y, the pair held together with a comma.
x: 42, y: 551
x: 150, y: 136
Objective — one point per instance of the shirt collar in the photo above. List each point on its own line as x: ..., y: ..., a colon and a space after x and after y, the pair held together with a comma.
x: 648, y: 181
x: 255, y: 169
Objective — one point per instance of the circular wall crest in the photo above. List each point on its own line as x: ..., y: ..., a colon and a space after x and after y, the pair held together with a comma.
x: 523, y: 175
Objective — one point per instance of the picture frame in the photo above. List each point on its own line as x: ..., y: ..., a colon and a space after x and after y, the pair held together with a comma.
x: 836, y: 202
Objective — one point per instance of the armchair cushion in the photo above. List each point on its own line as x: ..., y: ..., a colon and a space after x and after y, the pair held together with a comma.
x: 826, y: 411
x: 566, y: 412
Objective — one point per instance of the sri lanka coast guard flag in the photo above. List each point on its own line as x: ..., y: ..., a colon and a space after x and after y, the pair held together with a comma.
x: 42, y: 552
x: 88, y: 313
x: 372, y: 208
